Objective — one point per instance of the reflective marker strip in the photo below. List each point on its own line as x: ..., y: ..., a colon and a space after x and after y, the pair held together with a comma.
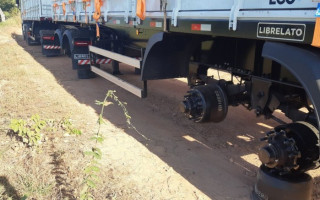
x: 133, y: 23
x: 201, y: 27
x: 195, y: 27
x: 98, y: 61
x: 51, y: 47
x: 152, y: 24
x: 156, y: 24
x: 116, y: 21
x: 103, y: 61
x: 83, y: 62
x: 159, y: 24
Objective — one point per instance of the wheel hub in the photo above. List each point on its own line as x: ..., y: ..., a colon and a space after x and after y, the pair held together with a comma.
x: 205, y: 103
x: 291, y: 148
x: 280, y: 153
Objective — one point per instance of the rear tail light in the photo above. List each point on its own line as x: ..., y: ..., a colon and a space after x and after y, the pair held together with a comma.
x: 45, y: 18
x: 82, y: 43
x: 48, y: 37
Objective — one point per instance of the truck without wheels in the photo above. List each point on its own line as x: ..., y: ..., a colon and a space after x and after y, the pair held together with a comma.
x: 269, y: 47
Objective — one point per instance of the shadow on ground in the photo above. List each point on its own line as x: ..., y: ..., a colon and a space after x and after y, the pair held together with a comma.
x: 199, y: 152
x: 59, y: 172
x: 9, y: 190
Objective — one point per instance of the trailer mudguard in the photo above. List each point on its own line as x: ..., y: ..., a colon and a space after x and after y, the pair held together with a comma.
x: 58, y: 37
x: 167, y: 56
x: 72, y: 33
x: 302, y: 63
x: 68, y: 35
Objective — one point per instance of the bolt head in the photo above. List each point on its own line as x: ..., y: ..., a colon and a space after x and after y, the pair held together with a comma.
x: 267, y: 156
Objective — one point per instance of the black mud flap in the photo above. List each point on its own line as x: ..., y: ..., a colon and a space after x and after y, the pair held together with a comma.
x: 79, y: 54
x: 48, y: 47
x: 167, y: 56
x: 84, y: 72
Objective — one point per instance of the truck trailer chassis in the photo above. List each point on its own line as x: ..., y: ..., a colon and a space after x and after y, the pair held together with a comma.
x: 269, y: 47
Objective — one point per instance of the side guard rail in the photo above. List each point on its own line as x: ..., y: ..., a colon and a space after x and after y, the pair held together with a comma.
x: 142, y: 93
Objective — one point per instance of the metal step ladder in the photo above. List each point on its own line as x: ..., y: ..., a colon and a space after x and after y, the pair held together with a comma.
x: 142, y: 93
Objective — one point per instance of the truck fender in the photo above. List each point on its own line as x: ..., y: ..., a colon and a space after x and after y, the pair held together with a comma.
x: 68, y: 36
x: 58, y: 37
x: 167, y: 56
x: 302, y: 63
x: 45, y: 33
x: 74, y: 33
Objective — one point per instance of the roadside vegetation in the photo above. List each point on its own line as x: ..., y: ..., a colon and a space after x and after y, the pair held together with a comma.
x: 12, y: 22
x: 48, y: 150
x: 9, y: 8
x: 50, y: 144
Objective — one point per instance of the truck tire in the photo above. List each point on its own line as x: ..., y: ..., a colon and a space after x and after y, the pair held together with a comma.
x: 28, y: 40
x: 24, y: 32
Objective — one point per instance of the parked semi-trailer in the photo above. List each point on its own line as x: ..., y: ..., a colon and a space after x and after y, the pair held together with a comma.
x: 270, y: 46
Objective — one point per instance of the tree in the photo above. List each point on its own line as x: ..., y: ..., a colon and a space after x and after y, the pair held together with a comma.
x: 7, y: 5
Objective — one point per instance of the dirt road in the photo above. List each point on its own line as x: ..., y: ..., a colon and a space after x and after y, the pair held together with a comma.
x: 169, y: 156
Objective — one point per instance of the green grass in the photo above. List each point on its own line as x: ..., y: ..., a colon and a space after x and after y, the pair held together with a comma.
x: 14, y: 20
x: 32, y: 188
